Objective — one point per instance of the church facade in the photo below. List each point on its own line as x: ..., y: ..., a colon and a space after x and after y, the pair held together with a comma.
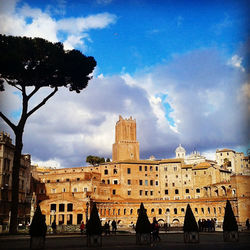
x: 165, y: 187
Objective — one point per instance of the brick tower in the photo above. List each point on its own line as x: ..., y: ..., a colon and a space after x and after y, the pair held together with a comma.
x: 126, y: 147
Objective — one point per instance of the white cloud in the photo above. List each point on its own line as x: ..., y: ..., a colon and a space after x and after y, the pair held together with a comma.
x: 236, y: 61
x: 33, y: 22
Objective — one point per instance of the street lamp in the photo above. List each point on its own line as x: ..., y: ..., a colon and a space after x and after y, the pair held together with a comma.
x: 87, y: 209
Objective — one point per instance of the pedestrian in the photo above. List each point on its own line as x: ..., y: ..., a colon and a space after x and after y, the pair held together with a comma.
x: 200, y: 225
x: 114, y: 227
x: 82, y: 227
x: 53, y: 225
x: 106, y: 228
x: 155, y: 230
x: 247, y: 224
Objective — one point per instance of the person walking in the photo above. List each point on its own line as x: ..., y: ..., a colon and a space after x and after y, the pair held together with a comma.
x: 114, y: 227
x: 53, y: 225
x: 247, y: 224
x: 82, y: 227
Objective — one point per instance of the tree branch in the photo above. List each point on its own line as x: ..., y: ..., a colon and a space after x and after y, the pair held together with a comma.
x: 42, y: 103
x: 33, y: 92
x: 13, y: 126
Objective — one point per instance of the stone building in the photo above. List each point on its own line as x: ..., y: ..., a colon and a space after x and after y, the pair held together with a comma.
x: 165, y: 187
x: 6, y: 165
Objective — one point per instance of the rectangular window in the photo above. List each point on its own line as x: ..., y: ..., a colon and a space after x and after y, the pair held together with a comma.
x: 146, y: 182
x: 113, y: 191
x: 129, y: 182
x: 64, y: 190
x: 106, y: 171
x: 61, y: 207
x: 52, y: 207
x: 85, y: 190
x: 53, y: 190
x: 173, y: 184
x: 115, y: 182
x: 151, y: 168
x: 187, y: 191
x: 128, y: 170
x: 78, y: 179
x: 156, y: 183
x: 175, y: 168
x: 57, y: 180
x: 151, y: 182
x: 156, y: 168
x: 69, y: 207
x: 146, y: 192
x: 166, y: 191
x: 140, y: 192
x: 129, y: 192
x: 151, y: 192
x: 140, y: 168
x: 140, y: 182
x: 146, y: 168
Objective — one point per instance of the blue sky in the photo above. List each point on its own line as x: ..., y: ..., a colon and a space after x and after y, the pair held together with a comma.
x: 179, y: 67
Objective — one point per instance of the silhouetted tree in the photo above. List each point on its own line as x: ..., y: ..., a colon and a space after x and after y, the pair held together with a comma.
x: 94, y: 225
x: 29, y: 65
x: 108, y: 160
x: 229, y: 223
x: 190, y: 224
x: 143, y: 225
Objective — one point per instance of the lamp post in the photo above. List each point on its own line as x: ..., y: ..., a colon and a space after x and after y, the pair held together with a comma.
x: 87, y: 210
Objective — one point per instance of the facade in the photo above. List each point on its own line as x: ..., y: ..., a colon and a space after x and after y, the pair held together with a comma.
x: 6, y: 165
x: 165, y: 187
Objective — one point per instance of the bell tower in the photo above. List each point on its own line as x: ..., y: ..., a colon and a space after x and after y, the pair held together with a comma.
x: 126, y: 147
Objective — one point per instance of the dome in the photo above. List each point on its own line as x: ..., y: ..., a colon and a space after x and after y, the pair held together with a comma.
x: 180, y: 149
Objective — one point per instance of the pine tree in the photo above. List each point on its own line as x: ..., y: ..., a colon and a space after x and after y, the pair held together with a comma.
x: 143, y: 225
x: 94, y: 224
x: 190, y: 224
x: 229, y: 223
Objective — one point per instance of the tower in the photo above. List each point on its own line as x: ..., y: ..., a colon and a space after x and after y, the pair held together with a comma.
x: 180, y: 152
x: 126, y: 147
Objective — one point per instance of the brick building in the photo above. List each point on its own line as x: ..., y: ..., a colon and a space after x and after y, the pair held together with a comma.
x: 165, y: 187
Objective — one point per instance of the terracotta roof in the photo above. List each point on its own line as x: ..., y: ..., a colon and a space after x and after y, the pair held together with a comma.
x: 224, y: 150
x: 202, y: 165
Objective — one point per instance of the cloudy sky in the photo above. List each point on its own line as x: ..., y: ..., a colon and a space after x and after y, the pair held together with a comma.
x: 180, y: 68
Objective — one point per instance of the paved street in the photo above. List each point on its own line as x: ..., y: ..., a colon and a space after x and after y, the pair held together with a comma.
x: 174, y: 241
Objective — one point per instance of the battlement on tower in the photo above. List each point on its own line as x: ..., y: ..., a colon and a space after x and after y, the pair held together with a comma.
x: 126, y: 147
x: 5, y: 137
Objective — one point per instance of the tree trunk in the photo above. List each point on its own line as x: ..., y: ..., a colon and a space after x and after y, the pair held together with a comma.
x: 15, y: 181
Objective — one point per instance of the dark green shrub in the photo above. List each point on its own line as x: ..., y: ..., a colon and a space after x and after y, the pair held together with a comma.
x: 229, y: 223
x: 94, y: 224
x: 38, y: 226
x: 143, y: 225
x: 190, y: 224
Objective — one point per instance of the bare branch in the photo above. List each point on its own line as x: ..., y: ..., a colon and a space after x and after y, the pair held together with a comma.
x: 42, y: 103
x: 33, y: 92
x: 13, y: 126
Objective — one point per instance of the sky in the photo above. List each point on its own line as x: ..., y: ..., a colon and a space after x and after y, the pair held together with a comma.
x: 180, y: 68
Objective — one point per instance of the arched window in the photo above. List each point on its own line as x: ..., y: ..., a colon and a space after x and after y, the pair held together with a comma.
x: 214, y: 210
x: 160, y: 211
x: 167, y: 210
x: 176, y: 191
x: 182, y: 210
x: 152, y: 210
x: 119, y: 211
x: 106, y: 171
x: 124, y: 211
x: 131, y: 211
x: 175, y: 210
x: 103, y: 181
x: 208, y: 209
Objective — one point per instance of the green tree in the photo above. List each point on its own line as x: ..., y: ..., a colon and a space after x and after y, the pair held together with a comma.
x: 94, y: 160
x: 29, y: 65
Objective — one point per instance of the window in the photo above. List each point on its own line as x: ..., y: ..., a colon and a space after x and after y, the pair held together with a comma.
x: 151, y: 168
x: 182, y: 210
x: 52, y: 207
x: 146, y: 182
x: 152, y: 210
x: 176, y: 176
x: 204, y: 172
x: 140, y: 182
x: 140, y: 192
x: 129, y: 192
x: 166, y: 184
x: 53, y: 190
x: 175, y: 210
x: 208, y: 210
x: 57, y: 180
x: 67, y: 179
x: 124, y: 211
x: 198, y: 190
x: 214, y: 210
x: 106, y: 171
x: 115, y: 182
x: 48, y: 181
x: 103, y: 181
x: 131, y: 211
x: 160, y: 211
x: 173, y: 184
x: 146, y: 168
x: 64, y: 190
x: 128, y: 170
x: 187, y: 191
x: 113, y: 191
x: 151, y: 192
x: 61, y: 207
x: 151, y: 182
x: 165, y: 168
x: 146, y: 192
x: 156, y: 168
x: 176, y: 191
x: 166, y: 191
x: 129, y: 182
x: 175, y: 168
x: 69, y: 207
x: 167, y: 210
x: 108, y: 181
x: 196, y: 210
x: 115, y: 171
x: 140, y: 168
x: 156, y: 183
x: 194, y: 172
x: 202, y: 210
